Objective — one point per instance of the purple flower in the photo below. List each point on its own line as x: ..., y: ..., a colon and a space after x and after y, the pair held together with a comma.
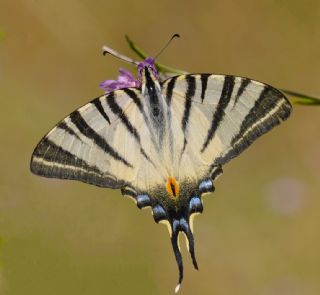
x: 125, y: 79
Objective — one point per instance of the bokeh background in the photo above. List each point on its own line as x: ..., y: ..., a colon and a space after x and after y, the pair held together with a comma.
x: 259, y: 233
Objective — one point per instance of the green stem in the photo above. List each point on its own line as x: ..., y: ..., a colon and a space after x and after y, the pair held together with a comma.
x: 133, y: 46
x: 294, y: 97
x: 301, y: 99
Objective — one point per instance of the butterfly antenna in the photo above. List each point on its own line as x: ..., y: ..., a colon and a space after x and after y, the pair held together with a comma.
x: 167, y: 44
x: 107, y: 50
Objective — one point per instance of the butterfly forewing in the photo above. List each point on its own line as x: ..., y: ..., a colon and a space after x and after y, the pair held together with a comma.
x: 219, y: 116
x: 93, y: 144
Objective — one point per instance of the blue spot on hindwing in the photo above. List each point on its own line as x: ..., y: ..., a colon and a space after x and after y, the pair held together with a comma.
x: 206, y: 186
x: 195, y: 205
x: 143, y: 201
x: 159, y: 213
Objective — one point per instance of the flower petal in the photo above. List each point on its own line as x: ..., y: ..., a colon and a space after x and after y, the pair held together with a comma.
x: 126, y: 79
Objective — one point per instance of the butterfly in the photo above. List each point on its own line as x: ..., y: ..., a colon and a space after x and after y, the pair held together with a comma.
x: 163, y: 142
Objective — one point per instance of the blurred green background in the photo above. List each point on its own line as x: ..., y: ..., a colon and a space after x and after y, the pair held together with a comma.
x: 259, y: 233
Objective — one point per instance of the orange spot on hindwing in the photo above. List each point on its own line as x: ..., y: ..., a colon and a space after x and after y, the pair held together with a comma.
x: 172, y: 187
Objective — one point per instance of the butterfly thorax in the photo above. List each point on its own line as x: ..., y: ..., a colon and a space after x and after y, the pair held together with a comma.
x: 155, y: 105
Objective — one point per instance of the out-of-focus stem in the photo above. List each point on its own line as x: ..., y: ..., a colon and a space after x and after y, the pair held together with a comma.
x: 301, y: 99
x: 294, y: 97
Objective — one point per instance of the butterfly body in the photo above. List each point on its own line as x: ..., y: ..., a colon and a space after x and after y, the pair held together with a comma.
x: 163, y: 143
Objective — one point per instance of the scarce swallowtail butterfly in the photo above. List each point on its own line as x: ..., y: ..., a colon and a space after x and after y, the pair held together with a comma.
x: 162, y: 142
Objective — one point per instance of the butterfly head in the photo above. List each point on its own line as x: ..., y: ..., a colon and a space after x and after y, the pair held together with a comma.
x: 148, y: 77
x: 147, y: 64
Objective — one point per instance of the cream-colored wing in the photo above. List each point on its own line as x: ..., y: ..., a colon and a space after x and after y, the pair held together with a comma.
x: 216, y: 117
x: 101, y: 143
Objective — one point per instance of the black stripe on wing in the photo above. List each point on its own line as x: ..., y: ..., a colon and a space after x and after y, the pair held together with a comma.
x: 270, y: 108
x: 97, y: 103
x: 204, y: 83
x: 52, y: 161
x: 219, y: 113
x: 244, y: 84
x: 170, y: 87
x: 117, y: 110
x: 87, y: 131
x: 168, y: 96
x: 63, y: 125
x: 134, y: 97
x: 264, y: 104
x: 191, y: 88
